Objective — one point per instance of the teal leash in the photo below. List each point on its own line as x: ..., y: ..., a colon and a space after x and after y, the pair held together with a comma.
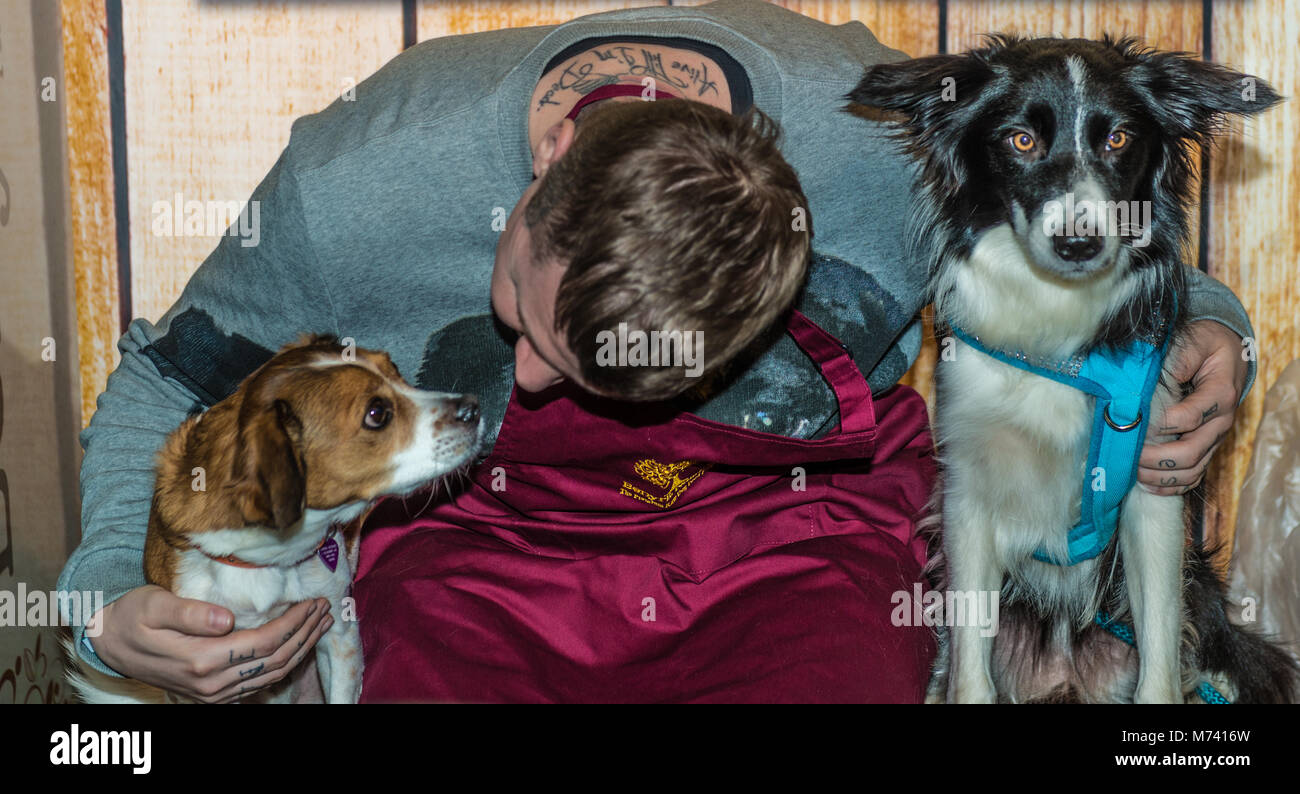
x: 1125, y: 632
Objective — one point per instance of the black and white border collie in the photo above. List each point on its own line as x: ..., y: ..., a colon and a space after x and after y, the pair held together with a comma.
x: 1007, y: 136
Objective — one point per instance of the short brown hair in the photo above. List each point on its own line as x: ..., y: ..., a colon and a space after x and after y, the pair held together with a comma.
x: 670, y: 216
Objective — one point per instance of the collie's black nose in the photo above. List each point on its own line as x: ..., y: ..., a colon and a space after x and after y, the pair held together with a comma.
x: 1077, y: 249
x: 467, y: 409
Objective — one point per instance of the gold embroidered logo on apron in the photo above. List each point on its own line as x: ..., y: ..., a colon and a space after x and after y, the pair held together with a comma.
x: 666, y: 476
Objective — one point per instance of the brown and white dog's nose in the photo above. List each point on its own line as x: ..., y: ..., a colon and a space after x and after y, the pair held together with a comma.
x: 467, y: 409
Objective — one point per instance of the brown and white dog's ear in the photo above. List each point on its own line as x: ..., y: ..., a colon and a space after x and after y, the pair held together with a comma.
x: 269, y: 481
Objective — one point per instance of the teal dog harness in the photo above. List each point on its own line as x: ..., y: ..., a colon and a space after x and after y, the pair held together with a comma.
x: 1122, y: 380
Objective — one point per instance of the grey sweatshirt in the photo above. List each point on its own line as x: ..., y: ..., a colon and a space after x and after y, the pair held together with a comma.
x: 377, y: 224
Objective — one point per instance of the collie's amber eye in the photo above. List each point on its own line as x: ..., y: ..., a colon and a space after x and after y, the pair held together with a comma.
x: 378, y: 412
x: 1117, y: 140
x: 1023, y: 142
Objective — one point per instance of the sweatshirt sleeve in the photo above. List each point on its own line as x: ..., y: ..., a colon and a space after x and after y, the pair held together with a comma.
x: 1209, y: 299
x: 254, y: 293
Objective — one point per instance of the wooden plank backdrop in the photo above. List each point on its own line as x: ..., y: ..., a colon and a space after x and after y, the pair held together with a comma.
x: 90, y: 177
x: 440, y: 18
x: 212, y: 87
x: 211, y: 93
x: 908, y: 25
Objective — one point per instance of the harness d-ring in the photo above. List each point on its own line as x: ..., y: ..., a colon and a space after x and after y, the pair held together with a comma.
x: 1105, y: 414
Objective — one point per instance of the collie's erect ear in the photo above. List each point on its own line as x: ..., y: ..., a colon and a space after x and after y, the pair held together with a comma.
x: 924, y: 90
x: 1190, y: 98
x: 269, y: 481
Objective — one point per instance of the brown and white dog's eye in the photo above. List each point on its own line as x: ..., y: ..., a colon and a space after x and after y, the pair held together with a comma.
x: 1117, y: 140
x: 378, y: 412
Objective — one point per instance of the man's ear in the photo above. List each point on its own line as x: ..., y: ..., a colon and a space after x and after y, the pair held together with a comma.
x: 269, y: 481
x: 922, y: 90
x: 554, y: 143
x: 1190, y: 98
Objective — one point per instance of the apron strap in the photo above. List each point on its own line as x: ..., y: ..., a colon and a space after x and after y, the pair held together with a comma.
x: 836, y: 364
x: 618, y: 89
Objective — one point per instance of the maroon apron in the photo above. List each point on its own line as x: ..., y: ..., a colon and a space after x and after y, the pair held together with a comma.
x: 600, y: 554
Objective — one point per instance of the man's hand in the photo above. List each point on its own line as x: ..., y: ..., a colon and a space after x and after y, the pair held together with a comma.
x: 1208, y: 354
x: 187, y: 646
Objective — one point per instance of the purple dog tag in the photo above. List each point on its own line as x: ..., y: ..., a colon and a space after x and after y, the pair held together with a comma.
x: 329, y: 553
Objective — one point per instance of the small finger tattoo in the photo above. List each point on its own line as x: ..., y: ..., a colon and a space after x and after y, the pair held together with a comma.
x: 252, y: 671
x: 234, y: 660
x: 1168, y: 463
x: 1211, y: 411
x: 1168, y: 481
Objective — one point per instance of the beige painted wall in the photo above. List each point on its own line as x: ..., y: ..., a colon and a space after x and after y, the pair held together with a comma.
x: 39, y: 415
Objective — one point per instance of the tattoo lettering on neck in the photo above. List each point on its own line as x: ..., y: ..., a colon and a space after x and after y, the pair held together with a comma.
x: 578, y: 77
x: 617, y: 63
x: 698, y: 76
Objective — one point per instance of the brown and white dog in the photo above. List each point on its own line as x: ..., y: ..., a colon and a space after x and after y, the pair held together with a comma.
x: 251, y: 496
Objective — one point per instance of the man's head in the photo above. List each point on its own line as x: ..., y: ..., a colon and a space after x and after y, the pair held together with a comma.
x: 664, y: 216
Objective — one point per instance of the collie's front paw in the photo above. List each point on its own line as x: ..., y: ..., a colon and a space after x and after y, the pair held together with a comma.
x: 973, y: 692
x: 1157, y: 695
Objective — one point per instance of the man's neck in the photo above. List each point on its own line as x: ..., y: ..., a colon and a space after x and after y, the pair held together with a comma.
x: 684, y: 73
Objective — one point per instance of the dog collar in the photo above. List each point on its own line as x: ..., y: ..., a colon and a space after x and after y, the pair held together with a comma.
x: 1122, y: 381
x: 321, y: 550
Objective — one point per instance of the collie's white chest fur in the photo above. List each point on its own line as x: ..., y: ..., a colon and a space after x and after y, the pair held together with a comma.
x: 1016, y: 443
